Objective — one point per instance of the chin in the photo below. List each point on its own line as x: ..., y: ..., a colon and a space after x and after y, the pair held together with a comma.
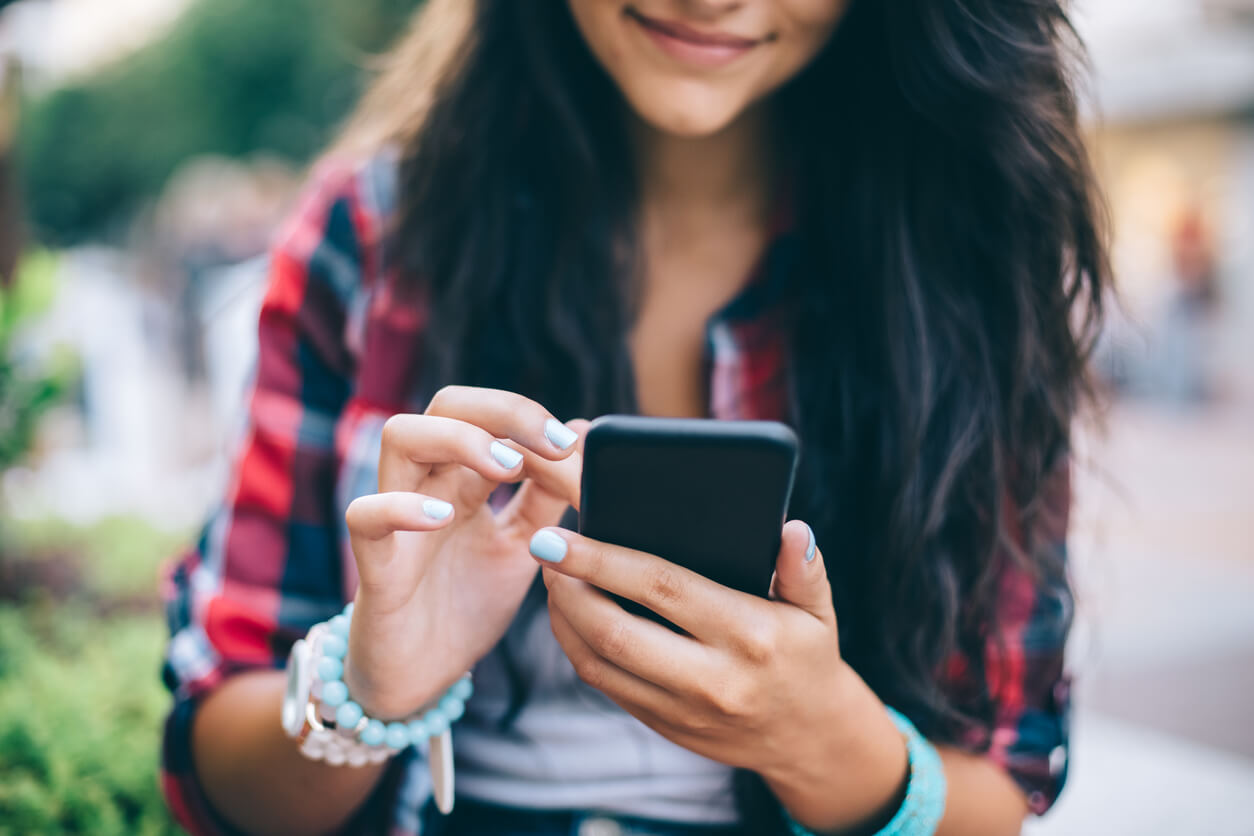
x: 690, y: 116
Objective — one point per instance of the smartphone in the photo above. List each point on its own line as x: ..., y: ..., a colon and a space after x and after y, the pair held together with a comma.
x: 708, y: 495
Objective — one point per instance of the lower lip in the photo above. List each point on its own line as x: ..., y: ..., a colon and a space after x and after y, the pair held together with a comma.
x: 687, y: 52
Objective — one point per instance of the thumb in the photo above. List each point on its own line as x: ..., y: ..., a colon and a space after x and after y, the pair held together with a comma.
x: 800, y: 576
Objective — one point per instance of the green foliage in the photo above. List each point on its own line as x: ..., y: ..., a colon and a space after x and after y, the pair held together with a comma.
x: 80, y: 714
x: 26, y: 391
x: 81, y: 703
x: 233, y: 77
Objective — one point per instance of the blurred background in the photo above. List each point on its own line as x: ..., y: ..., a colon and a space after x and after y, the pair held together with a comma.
x: 149, y: 147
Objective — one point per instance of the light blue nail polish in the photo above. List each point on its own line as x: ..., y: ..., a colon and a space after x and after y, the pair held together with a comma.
x: 561, y: 435
x: 548, y: 545
x: 812, y: 546
x: 436, y: 509
x: 506, y: 457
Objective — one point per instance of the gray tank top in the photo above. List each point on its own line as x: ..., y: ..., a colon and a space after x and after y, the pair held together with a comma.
x: 570, y: 746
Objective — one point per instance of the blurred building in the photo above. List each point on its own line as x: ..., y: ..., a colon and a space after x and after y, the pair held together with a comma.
x: 1172, y: 105
x: 166, y: 333
x: 132, y: 439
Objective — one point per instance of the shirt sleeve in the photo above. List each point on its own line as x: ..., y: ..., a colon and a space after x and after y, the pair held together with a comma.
x: 267, y: 566
x: 1023, y: 665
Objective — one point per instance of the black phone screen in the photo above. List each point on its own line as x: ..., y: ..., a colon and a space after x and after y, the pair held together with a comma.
x: 708, y: 495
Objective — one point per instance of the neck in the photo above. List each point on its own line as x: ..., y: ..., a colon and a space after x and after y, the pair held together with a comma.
x: 686, y: 180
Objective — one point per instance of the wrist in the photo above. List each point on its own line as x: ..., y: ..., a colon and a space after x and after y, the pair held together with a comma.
x: 388, y: 684
x: 379, y: 696
x: 854, y: 771
x: 320, y: 698
x: 374, y: 696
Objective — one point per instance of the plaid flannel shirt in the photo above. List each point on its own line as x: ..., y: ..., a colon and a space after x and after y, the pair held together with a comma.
x: 337, y: 357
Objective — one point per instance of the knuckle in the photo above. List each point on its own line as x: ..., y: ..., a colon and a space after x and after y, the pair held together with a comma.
x: 442, y: 397
x: 394, y: 429
x: 708, y: 692
x: 663, y: 584
x: 706, y: 727
x: 734, y: 701
x: 595, y: 559
x: 526, y: 420
x: 758, y: 641
x: 356, y: 514
x: 590, y: 671
x: 612, y: 639
x: 532, y: 412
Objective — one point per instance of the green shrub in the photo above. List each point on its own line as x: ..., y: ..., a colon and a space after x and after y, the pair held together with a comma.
x: 80, y: 716
x: 27, y: 390
x: 81, y: 703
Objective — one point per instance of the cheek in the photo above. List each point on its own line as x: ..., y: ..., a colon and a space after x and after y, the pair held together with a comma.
x: 807, y: 27
x: 819, y: 15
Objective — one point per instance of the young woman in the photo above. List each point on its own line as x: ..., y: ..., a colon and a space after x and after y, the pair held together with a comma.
x: 871, y: 219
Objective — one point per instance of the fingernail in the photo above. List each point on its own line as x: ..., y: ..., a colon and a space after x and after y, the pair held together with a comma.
x: 812, y: 545
x: 436, y: 509
x: 559, y: 434
x: 549, y: 546
x: 506, y: 457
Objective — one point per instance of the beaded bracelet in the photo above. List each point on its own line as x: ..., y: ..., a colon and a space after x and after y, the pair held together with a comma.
x: 920, y: 813
x: 329, y: 642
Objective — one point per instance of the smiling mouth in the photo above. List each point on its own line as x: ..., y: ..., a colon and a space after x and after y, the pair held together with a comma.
x: 692, y: 46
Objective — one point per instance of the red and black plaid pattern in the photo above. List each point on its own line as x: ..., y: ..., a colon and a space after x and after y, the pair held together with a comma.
x: 336, y: 358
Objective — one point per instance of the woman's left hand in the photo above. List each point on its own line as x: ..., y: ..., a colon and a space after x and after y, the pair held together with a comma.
x: 755, y: 683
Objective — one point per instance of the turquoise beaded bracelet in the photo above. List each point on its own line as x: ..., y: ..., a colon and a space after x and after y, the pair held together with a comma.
x: 333, y: 694
x: 920, y: 813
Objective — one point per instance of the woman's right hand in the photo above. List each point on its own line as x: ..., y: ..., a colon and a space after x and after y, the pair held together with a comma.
x: 440, y: 575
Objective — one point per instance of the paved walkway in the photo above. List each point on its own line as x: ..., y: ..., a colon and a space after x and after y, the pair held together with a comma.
x: 1163, y: 554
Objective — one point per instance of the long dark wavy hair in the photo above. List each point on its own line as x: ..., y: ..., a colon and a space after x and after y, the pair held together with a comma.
x: 949, y: 284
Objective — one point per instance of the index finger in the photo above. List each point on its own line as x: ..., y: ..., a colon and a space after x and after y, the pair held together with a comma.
x: 506, y: 415
x: 701, y: 607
